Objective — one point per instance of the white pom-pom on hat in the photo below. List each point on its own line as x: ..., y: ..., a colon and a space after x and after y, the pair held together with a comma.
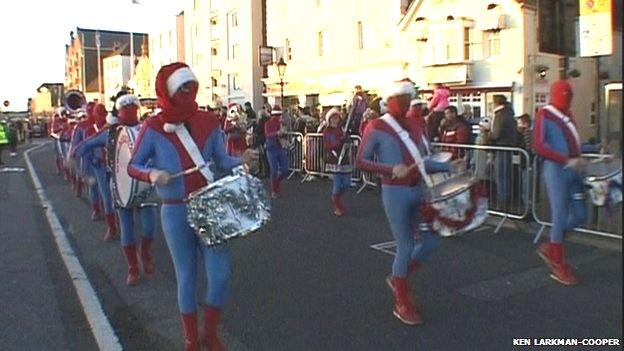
x: 110, y: 119
x: 126, y: 100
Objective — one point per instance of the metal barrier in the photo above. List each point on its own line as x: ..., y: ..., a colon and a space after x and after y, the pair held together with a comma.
x: 504, y: 170
x: 314, y: 159
x: 295, y: 153
x: 602, y: 221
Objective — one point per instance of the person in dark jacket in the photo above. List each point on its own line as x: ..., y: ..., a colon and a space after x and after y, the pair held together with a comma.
x: 503, y: 133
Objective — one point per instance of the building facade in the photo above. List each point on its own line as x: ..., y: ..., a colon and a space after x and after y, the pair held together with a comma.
x: 116, y: 75
x: 511, y: 47
x: 166, y: 46
x: 222, y: 40
x: 86, y: 51
x: 332, y: 46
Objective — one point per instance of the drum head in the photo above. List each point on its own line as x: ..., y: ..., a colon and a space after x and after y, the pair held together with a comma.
x: 451, y: 187
x: 441, y: 157
x: 124, y: 185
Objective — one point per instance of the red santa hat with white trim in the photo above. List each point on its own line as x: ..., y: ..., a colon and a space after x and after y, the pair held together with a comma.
x: 402, y: 87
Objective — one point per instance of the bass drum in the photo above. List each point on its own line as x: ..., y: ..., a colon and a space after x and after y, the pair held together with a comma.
x: 127, y: 191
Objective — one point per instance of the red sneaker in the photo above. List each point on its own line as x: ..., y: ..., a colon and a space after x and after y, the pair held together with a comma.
x: 404, y: 308
x: 563, y: 274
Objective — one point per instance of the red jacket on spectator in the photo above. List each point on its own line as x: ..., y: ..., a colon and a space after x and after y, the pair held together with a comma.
x: 460, y: 134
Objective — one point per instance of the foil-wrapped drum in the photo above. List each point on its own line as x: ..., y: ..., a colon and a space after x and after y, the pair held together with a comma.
x: 232, y: 207
x: 455, y: 206
x: 604, y: 180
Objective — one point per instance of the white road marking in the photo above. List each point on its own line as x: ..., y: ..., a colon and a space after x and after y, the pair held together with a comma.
x: 101, y: 328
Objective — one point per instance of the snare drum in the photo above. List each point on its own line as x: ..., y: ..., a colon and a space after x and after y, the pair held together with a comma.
x: 455, y: 206
x: 127, y: 191
x: 604, y: 181
x: 234, y: 206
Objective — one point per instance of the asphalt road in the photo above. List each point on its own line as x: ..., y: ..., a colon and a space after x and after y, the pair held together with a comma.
x: 307, y: 281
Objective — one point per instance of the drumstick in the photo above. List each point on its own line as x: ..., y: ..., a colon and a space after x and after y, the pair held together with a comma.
x: 188, y: 171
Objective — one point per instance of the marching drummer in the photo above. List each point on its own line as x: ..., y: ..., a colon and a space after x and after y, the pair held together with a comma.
x: 276, y: 154
x: 556, y: 140
x: 402, y: 189
x: 336, y: 160
x: 177, y: 139
x: 84, y: 172
x: 125, y: 113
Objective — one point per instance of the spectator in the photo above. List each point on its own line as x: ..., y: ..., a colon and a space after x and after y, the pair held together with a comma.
x: 467, y: 112
x: 4, y: 139
x: 503, y: 133
x: 306, y: 121
x: 453, y: 131
x: 368, y: 116
x: 525, y: 128
x: 436, y: 106
x: 355, y: 109
x: 249, y: 111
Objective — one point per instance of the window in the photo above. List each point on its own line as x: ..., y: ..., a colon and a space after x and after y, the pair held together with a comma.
x: 234, y: 82
x: 213, y: 21
x: 320, y: 43
x: 492, y: 43
x: 557, y: 24
x: 195, y: 4
x: 234, y: 51
x: 360, y: 35
x: 214, y: 51
x: 214, y: 81
x: 288, y: 49
x: 234, y: 19
x: 467, y: 43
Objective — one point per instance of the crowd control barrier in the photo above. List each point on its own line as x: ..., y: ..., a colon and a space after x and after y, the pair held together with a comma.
x: 504, y: 171
x: 602, y: 221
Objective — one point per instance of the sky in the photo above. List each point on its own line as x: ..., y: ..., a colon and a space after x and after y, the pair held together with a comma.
x: 33, y: 35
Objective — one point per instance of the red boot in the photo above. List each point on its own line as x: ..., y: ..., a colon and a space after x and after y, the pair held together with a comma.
x: 130, y: 253
x: 95, y: 212
x: 111, y: 231
x: 412, y: 266
x: 338, y: 208
x: 191, y: 337
x: 210, y: 339
x: 274, y: 189
x: 146, y: 256
x: 544, y: 252
x: 404, y: 308
x: 560, y: 269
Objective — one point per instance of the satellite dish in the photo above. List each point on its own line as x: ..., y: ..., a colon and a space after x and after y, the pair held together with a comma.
x: 6, y: 103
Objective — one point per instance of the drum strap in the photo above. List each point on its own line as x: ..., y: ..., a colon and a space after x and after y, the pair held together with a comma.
x: 567, y: 122
x: 193, y: 151
x: 410, y: 145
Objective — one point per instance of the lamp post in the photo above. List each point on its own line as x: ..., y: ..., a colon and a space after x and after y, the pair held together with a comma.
x: 281, y: 69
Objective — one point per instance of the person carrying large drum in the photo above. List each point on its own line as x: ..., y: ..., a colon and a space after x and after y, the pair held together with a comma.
x: 402, y: 189
x: 125, y: 117
x: 172, y: 142
x: 557, y: 142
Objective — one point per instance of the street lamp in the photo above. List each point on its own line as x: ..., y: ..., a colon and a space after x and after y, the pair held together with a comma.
x: 281, y: 69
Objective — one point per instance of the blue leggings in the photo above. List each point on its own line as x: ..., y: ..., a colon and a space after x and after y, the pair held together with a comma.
x: 103, y: 184
x: 566, y: 196
x: 126, y: 221
x: 92, y: 185
x: 184, y: 247
x: 401, y: 205
x: 341, y: 182
x: 278, y: 163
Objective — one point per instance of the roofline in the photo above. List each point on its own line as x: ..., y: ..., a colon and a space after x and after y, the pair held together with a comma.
x: 409, y: 14
x: 78, y: 29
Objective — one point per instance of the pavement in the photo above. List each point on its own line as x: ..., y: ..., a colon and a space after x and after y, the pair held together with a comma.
x: 307, y: 281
